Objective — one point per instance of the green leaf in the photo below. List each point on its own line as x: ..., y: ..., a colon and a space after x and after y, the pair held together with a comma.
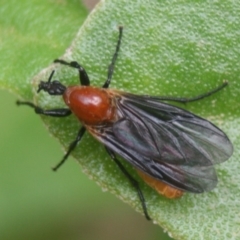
x: 177, y: 48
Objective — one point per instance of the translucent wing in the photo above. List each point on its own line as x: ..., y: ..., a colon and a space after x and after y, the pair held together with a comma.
x: 166, y: 142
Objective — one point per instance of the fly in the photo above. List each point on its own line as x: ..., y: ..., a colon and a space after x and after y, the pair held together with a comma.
x: 173, y: 150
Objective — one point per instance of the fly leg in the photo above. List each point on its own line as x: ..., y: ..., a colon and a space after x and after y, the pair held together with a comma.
x: 192, y: 99
x: 59, y: 112
x: 83, y: 77
x: 114, y: 58
x: 71, y: 148
x: 134, y: 183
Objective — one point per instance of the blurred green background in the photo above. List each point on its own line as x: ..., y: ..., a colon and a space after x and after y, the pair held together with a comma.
x: 36, y: 203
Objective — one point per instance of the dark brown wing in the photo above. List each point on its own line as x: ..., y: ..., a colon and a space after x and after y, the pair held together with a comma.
x: 166, y: 142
